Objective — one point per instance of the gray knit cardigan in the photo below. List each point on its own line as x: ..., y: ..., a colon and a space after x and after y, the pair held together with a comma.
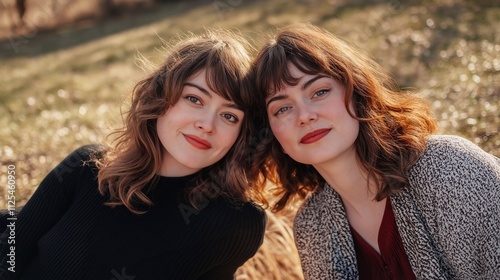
x: 448, y: 218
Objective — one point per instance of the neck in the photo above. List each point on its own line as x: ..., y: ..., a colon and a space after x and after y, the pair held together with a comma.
x: 350, y: 181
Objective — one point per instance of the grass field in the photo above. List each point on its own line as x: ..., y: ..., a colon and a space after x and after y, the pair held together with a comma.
x: 62, y: 86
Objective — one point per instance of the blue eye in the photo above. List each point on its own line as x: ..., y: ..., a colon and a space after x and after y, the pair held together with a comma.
x: 231, y: 118
x: 281, y: 110
x: 193, y: 99
x: 321, y: 92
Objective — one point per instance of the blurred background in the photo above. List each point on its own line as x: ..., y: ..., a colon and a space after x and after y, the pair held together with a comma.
x: 67, y: 67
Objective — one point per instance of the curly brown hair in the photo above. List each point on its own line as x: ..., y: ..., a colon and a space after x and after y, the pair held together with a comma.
x: 134, y: 159
x: 393, y: 123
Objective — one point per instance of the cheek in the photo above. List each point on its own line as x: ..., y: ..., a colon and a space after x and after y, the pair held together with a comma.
x: 169, y: 117
x: 161, y: 124
x: 280, y: 130
x: 336, y: 111
x: 229, y: 136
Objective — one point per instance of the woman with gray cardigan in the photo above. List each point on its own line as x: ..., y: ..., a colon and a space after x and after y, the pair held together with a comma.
x: 385, y: 197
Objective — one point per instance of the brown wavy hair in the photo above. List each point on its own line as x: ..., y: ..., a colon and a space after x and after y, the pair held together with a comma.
x: 393, y: 123
x: 134, y: 159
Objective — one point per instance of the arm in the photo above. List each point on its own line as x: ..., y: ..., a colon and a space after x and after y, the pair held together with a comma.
x: 458, y: 186
x: 41, y: 213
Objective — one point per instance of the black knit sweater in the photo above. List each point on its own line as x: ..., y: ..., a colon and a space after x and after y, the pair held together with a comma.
x: 66, y: 232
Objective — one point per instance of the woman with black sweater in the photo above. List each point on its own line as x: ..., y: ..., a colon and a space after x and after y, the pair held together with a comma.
x: 168, y: 200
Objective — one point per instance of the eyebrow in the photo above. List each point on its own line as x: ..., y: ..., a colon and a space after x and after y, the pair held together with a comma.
x: 308, y: 83
x: 202, y: 89
x: 304, y: 86
x: 276, y: 98
x: 206, y: 92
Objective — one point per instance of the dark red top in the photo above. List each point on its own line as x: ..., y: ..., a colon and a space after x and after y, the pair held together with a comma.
x: 392, y: 263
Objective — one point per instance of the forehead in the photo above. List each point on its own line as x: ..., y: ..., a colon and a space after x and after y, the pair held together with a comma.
x: 199, y: 76
x: 205, y: 78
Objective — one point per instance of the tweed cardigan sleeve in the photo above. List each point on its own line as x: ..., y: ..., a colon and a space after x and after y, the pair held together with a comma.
x: 448, y: 218
x: 456, y: 188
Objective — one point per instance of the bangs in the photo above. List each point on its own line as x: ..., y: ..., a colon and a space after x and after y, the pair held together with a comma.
x: 225, y: 69
x: 224, y: 59
x: 220, y: 81
x: 273, y: 73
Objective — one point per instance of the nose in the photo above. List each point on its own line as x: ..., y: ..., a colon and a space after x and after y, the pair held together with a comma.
x: 205, y: 123
x: 306, y: 114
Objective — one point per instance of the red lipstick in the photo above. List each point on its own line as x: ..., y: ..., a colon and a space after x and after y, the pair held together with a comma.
x: 314, y: 136
x: 197, y: 142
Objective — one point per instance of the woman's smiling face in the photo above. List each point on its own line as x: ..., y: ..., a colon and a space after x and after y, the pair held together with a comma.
x: 310, y: 119
x: 198, y: 130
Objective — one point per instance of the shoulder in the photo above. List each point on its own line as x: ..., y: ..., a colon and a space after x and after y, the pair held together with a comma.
x: 456, y: 145
x: 455, y: 186
x: 84, y: 155
x: 243, y: 224
x: 322, y: 205
x: 452, y: 164
x: 79, y: 162
x: 250, y: 215
x: 238, y: 232
x: 455, y: 154
x: 456, y: 148
x: 228, y: 214
x: 87, y: 153
x: 323, y: 196
x: 307, y: 212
